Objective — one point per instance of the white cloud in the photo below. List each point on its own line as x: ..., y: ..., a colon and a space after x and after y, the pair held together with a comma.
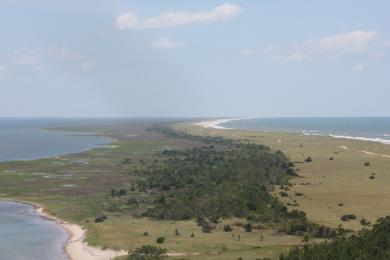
x: 267, y: 49
x: 63, y: 53
x: 357, y: 41
x: 3, y: 71
x: 88, y: 64
x: 221, y: 13
x: 166, y: 43
x: 25, y: 57
x: 359, y: 67
x: 38, y: 59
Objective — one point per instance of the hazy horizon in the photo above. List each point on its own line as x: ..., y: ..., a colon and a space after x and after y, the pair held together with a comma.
x: 180, y: 59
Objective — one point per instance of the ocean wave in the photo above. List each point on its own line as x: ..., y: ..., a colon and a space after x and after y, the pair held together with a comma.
x: 378, y: 140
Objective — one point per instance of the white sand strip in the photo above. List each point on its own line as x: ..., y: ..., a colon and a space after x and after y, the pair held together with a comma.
x: 76, y: 248
x: 216, y: 123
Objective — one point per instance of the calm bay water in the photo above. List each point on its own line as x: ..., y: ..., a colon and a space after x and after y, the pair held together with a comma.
x: 24, y: 235
x: 365, y: 128
x: 26, y: 139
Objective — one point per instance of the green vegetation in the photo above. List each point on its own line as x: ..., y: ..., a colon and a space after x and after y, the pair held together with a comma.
x: 220, y: 178
x: 147, y: 253
x: 367, y: 244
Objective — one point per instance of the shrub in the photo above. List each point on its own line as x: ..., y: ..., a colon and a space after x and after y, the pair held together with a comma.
x: 146, y: 234
x: 214, y: 219
x: 283, y: 194
x: 207, y: 228
x: 341, y: 204
x: 160, y: 240
x: 367, y: 164
x: 192, y: 234
x: 147, y: 252
x: 177, y: 233
x: 348, y: 217
x: 248, y: 227
x: 101, y: 218
x: 126, y: 161
x: 371, y: 177
x: 365, y: 222
x: 308, y: 159
x: 132, y: 201
x: 331, y: 159
x: 298, y: 194
x: 227, y: 228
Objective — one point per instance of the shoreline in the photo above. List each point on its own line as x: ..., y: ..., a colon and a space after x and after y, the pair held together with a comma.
x: 75, y: 247
x: 215, y: 124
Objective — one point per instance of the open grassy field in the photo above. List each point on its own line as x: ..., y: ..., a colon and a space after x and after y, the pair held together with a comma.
x: 77, y: 187
x: 129, y: 233
x: 330, y: 187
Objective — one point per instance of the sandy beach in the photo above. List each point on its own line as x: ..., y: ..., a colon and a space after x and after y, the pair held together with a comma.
x: 76, y: 248
x: 216, y: 123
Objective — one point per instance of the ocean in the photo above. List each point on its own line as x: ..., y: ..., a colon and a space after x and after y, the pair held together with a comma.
x: 376, y: 129
x: 24, y: 234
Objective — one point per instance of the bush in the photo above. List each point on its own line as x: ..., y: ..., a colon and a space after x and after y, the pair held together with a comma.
x: 331, y: 159
x: 365, y: 222
x: 367, y: 244
x: 177, y: 233
x: 207, y: 228
x: 100, y: 218
x: 147, y: 252
x: 283, y: 194
x: 160, y: 240
x: 248, y: 227
x: 308, y: 159
x: 146, y: 234
x: 298, y: 194
x: 348, y: 217
x: 371, y: 177
x: 227, y: 228
x: 214, y: 219
x: 367, y: 164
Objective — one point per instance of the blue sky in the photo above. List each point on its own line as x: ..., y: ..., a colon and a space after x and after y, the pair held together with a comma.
x: 117, y: 58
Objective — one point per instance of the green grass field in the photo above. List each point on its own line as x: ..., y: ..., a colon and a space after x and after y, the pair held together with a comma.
x: 75, y: 188
x: 327, y: 183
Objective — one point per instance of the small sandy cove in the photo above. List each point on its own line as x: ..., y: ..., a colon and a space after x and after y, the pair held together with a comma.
x: 76, y: 248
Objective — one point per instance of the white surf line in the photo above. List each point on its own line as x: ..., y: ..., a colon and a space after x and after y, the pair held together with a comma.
x: 366, y: 152
x: 377, y: 140
x: 216, y: 123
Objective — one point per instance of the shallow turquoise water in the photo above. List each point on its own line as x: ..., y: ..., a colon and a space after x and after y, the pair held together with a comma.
x: 24, y: 235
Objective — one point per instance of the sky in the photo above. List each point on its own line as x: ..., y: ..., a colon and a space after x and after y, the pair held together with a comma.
x: 175, y: 58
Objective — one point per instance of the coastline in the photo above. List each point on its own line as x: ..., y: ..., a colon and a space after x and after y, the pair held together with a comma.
x: 75, y: 247
x: 215, y: 124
